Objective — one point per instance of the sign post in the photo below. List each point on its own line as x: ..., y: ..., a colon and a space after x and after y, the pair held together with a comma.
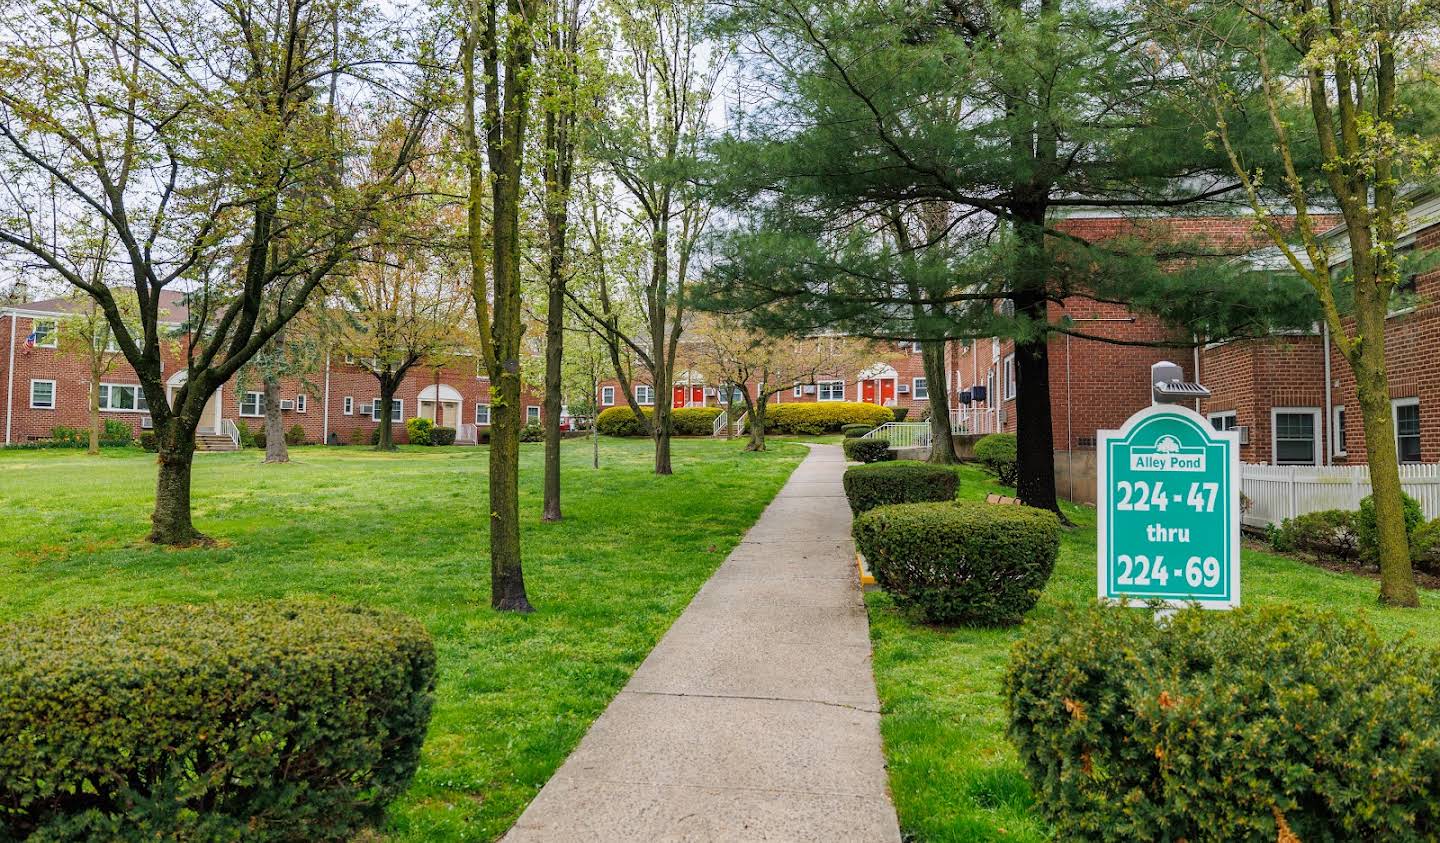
x: 1169, y: 510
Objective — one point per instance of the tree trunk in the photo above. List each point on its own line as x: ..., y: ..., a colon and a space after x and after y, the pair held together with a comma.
x: 170, y: 522
x: 554, y: 351
x: 94, y: 447
x: 942, y: 440
x: 275, y: 448
x: 507, y: 579
x: 386, y: 442
x: 664, y: 397
x: 757, y: 424
x: 1372, y: 386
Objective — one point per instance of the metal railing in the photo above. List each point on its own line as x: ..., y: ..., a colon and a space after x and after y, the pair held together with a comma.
x: 902, y: 434
x: 719, y: 427
x: 230, y: 429
x: 975, y: 420
x: 465, y: 434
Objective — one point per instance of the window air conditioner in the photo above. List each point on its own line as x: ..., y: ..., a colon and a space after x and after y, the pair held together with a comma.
x: 365, y: 409
x: 904, y: 388
x: 147, y: 423
x: 809, y: 389
x: 287, y: 404
x: 1244, y: 431
x: 964, y: 396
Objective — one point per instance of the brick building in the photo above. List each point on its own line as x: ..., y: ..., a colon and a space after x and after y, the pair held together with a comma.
x: 46, y: 387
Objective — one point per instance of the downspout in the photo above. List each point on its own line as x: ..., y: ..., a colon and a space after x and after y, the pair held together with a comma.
x: 10, y: 380
x: 325, y: 404
x: 1069, y: 432
x: 1195, y: 351
x: 1329, y: 399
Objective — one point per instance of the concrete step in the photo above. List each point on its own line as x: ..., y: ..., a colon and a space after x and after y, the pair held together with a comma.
x: 213, y: 442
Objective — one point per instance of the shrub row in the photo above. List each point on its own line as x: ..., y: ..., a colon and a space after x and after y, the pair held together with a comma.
x: 904, y: 481
x: 867, y: 450
x: 996, y: 454
x: 855, y: 431
x: 1270, y: 723
x: 1342, y: 535
x: 257, y: 721
x: 961, y: 562
x: 685, y: 421
x: 815, y: 418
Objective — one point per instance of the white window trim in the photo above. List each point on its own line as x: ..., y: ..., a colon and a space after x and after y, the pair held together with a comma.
x: 302, y: 402
x: 528, y: 408
x: 648, y: 388
x: 349, y: 406
x: 799, y: 391
x: 258, y: 403
x: 54, y: 333
x: 1395, y: 405
x: 915, y: 389
x: 1008, y: 385
x: 607, y: 396
x: 820, y: 390
x: 478, y: 405
x: 139, y: 396
x: 397, y: 405
x: 54, y: 396
x: 1223, y: 414
x: 1337, y: 432
x: 1275, y: 413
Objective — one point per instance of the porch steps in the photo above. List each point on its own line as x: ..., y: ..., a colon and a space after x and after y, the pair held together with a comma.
x: 213, y: 442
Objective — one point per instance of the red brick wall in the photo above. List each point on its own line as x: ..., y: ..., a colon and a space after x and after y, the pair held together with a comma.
x: 1254, y: 377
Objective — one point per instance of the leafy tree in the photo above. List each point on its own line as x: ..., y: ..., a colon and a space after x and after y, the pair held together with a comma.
x: 198, y: 136
x: 294, y: 352
x: 906, y: 170
x: 84, y: 335
x: 1346, y: 118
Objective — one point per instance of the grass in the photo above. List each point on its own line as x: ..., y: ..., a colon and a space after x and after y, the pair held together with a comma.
x: 408, y: 531
x: 953, y: 774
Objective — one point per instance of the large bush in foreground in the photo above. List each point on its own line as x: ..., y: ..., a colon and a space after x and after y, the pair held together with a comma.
x: 961, y: 563
x: 996, y: 453
x: 685, y: 421
x: 256, y: 721
x: 1227, y: 726
x: 811, y: 419
x: 867, y: 450
x: 905, y: 481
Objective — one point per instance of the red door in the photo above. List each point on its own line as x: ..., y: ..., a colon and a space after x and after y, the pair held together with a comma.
x: 867, y: 391
x: 679, y: 396
x: 697, y: 396
x: 887, y: 391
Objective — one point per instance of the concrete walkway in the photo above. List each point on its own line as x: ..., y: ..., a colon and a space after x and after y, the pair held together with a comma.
x: 755, y: 717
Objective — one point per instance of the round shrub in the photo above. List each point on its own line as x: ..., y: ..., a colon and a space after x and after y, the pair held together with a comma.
x: 620, y: 421
x: 532, y: 432
x: 855, y: 431
x: 901, y: 413
x: 295, y: 436
x: 418, y: 431
x: 902, y: 481
x: 1368, y: 534
x: 1268, y: 723
x: 147, y: 441
x: 815, y: 418
x: 253, y: 721
x: 1425, y: 547
x: 867, y: 450
x: 961, y: 563
x: 694, y: 421
x: 1327, y: 534
x: 996, y: 453
x: 442, y: 435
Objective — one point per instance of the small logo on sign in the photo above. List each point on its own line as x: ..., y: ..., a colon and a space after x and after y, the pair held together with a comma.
x: 1167, y: 455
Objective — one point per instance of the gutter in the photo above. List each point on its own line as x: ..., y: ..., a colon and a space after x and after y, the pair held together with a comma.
x: 1329, y: 425
x: 325, y: 405
x: 10, y: 379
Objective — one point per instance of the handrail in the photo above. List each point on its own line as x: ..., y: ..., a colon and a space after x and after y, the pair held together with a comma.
x: 902, y: 434
x: 229, y: 428
x: 720, y: 423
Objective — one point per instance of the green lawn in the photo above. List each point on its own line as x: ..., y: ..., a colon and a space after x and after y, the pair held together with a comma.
x: 953, y: 774
x: 408, y: 531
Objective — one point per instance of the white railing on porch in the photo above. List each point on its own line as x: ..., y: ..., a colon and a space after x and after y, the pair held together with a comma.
x: 975, y: 420
x: 1277, y: 492
x: 719, y: 427
x: 902, y: 434
x: 230, y: 429
x: 465, y: 434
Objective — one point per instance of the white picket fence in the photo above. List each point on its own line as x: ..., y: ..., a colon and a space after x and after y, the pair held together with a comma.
x: 975, y: 420
x: 1280, y: 492
x: 902, y: 434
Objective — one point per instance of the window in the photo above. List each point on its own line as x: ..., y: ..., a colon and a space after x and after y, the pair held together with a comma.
x: 644, y: 394
x: 1009, y: 380
x: 482, y: 412
x: 1223, y: 421
x: 349, y: 359
x: 397, y: 410
x: 42, y: 395
x: 122, y: 397
x: 532, y: 413
x: 44, y: 332
x: 607, y: 398
x: 252, y: 404
x: 1294, y: 436
x: 799, y: 390
x: 1337, y: 433
x: 349, y: 406
x: 301, y: 402
x: 830, y: 391
x: 1407, y: 428
x: 729, y: 394
x: 920, y: 388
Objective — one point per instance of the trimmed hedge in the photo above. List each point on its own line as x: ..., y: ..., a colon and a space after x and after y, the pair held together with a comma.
x: 1368, y: 534
x: 1268, y: 723
x: 532, y: 432
x: 855, y: 431
x: 252, y: 721
x: 418, y: 430
x: 684, y: 421
x: 1327, y: 534
x: 867, y: 450
x: 903, y: 481
x: 812, y: 419
x: 996, y: 453
x: 1425, y: 547
x: 961, y: 563
x: 442, y: 435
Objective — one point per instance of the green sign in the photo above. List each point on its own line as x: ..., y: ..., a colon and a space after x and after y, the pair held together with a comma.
x: 1169, y: 510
